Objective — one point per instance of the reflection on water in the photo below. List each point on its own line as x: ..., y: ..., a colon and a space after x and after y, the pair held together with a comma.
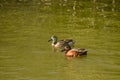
x: 25, y: 53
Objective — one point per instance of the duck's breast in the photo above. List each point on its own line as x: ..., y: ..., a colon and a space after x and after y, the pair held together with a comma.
x: 59, y: 44
x: 71, y: 53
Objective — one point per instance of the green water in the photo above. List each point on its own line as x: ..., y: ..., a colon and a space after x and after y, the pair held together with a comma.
x: 25, y: 53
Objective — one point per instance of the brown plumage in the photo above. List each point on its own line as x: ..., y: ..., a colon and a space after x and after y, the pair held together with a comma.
x: 74, y: 52
x: 61, y: 43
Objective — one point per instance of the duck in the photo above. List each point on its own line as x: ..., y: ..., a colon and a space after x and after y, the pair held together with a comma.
x: 61, y: 43
x: 75, y: 52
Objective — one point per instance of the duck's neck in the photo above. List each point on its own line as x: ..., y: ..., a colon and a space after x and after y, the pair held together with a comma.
x: 54, y: 41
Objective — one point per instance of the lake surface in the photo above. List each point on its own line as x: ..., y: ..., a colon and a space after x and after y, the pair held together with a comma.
x: 25, y: 53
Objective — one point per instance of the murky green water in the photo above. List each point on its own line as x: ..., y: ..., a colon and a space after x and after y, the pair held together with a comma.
x: 25, y: 53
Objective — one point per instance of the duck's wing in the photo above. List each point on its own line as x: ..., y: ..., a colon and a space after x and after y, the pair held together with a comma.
x: 82, y: 51
x: 69, y: 40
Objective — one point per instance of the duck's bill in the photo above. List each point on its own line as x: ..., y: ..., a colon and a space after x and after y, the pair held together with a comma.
x: 49, y: 40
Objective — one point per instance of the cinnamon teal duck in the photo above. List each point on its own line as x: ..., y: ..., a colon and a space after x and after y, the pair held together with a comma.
x: 74, y: 52
x: 61, y: 43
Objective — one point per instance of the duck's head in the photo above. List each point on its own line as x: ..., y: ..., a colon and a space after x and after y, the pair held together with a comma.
x: 66, y: 48
x: 53, y: 38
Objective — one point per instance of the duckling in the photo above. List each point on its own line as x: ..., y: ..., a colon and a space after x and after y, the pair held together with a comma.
x: 61, y: 43
x: 74, y: 52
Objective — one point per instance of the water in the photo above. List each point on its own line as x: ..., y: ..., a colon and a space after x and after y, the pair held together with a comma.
x: 25, y: 53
